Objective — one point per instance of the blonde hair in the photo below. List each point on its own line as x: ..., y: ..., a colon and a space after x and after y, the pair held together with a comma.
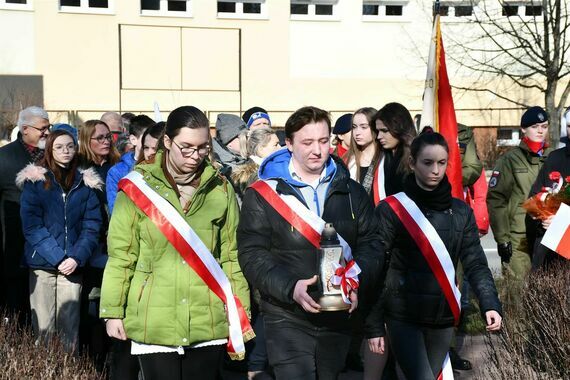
x: 85, y: 153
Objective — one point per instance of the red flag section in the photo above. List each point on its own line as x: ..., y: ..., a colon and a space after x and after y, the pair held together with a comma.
x: 439, y: 111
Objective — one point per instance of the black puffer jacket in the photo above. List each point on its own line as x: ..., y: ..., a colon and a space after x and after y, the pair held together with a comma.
x: 273, y: 256
x: 411, y: 291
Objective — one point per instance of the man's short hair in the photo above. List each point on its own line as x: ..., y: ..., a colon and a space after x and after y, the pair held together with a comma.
x: 27, y: 114
x: 139, y: 124
x: 304, y: 116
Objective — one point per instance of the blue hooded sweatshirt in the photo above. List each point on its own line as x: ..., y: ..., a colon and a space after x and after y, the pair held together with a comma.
x: 276, y: 167
x: 118, y: 171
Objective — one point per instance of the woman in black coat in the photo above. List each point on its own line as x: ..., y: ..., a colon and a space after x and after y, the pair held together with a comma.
x: 418, y: 316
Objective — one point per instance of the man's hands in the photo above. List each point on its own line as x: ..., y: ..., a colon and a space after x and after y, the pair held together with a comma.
x: 376, y: 345
x: 303, y: 298
x: 494, y: 320
x: 547, y: 222
x: 505, y: 251
x: 115, y: 329
x: 67, y: 266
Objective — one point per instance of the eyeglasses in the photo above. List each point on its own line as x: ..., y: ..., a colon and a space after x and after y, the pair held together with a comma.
x: 102, y: 138
x: 188, y: 152
x: 41, y: 130
x: 61, y: 148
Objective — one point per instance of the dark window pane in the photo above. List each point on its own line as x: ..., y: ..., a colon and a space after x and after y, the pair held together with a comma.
x: 533, y: 10
x: 251, y: 8
x: 463, y: 10
x: 444, y: 10
x: 510, y: 10
x: 177, y: 6
x: 70, y: 3
x: 16, y: 1
x: 98, y: 4
x: 224, y: 6
x: 394, y: 10
x: 504, y: 134
x: 370, y: 10
x: 299, y: 9
x: 324, y: 9
x: 150, y: 5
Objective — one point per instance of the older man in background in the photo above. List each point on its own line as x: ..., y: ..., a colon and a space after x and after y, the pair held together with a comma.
x: 34, y: 126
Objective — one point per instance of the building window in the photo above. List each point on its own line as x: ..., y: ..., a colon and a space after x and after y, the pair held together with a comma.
x: 16, y: 4
x: 533, y: 10
x: 87, y: 6
x: 250, y: 9
x: 459, y: 8
x: 175, y: 8
x: 313, y: 9
x: 527, y: 8
x: 381, y: 8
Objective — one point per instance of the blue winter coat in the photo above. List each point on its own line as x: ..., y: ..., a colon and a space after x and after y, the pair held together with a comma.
x: 58, y: 225
x: 118, y: 171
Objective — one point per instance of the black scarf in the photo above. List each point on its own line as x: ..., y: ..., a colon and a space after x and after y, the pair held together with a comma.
x: 438, y: 199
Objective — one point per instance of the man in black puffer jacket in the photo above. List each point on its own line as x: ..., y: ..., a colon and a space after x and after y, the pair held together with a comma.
x: 302, y: 342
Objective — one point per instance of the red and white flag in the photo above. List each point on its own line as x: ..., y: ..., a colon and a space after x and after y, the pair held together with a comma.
x: 557, y: 236
x: 438, y: 110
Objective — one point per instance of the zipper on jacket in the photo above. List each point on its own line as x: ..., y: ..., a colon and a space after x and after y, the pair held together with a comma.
x: 65, y: 198
x: 142, y: 288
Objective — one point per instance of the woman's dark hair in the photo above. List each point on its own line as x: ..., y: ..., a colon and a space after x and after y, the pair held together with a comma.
x: 400, y: 124
x: 427, y: 137
x: 156, y: 131
x: 185, y: 117
x: 48, y: 162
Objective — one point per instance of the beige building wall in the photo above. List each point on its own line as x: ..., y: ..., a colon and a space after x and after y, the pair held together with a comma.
x: 124, y: 61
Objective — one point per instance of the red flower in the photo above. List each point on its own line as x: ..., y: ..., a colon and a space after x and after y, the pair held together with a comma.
x: 567, y: 179
x: 554, y: 176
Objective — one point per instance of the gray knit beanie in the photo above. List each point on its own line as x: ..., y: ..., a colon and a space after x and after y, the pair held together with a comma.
x: 228, y: 127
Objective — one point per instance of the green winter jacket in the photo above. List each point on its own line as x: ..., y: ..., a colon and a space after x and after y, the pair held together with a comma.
x: 471, y: 166
x: 149, y: 285
x: 509, y: 187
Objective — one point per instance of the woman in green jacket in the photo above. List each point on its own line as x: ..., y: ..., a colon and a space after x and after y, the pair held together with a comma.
x: 151, y: 294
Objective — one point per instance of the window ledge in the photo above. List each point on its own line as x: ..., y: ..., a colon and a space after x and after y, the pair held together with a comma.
x: 89, y: 11
x: 386, y: 19
x: 16, y: 7
x: 333, y: 18
x: 243, y: 16
x: 179, y: 14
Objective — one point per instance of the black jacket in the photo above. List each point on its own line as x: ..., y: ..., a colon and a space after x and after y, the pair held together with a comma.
x: 411, y: 291
x: 13, y: 158
x: 274, y: 256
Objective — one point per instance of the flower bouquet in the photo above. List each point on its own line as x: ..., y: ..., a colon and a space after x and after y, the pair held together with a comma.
x: 545, y: 204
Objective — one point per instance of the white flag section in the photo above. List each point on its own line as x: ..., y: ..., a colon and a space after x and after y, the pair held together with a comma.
x: 557, y: 236
x: 430, y: 91
x: 157, y: 114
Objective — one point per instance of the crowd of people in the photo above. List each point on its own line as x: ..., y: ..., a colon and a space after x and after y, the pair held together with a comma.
x: 156, y: 248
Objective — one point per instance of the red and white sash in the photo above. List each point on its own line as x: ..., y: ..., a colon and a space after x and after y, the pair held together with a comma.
x: 378, y: 187
x: 310, y: 225
x: 434, y: 251
x: 175, y: 228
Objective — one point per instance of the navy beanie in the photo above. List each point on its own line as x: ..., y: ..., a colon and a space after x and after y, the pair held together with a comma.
x: 253, y: 114
x: 343, y: 124
x: 533, y: 115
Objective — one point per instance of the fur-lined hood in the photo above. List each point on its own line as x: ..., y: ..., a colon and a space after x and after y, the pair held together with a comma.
x: 246, y: 173
x: 35, y: 173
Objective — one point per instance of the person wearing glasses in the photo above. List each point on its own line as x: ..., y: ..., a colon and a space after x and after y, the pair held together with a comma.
x: 33, y: 126
x: 96, y: 150
x: 152, y: 294
x: 61, y: 220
